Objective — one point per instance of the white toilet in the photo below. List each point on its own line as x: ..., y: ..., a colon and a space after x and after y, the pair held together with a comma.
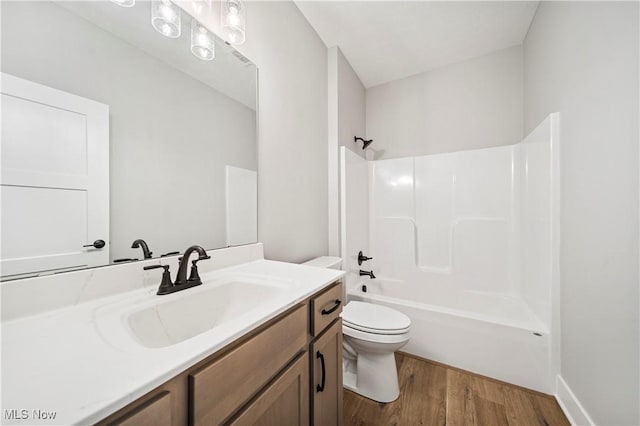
x: 372, y: 333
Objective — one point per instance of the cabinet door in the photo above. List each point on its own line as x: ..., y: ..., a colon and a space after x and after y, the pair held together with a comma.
x: 326, y: 356
x: 165, y: 405
x: 285, y: 402
x: 156, y: 412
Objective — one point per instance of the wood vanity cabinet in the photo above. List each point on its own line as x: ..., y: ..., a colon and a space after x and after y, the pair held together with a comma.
x: 286, y: 372
x: 325, y: 354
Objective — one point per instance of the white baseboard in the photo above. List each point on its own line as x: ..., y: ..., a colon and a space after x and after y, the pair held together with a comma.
x: 572, y: 408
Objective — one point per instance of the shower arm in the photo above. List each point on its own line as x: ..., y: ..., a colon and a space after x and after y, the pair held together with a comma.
x: 365, y: 143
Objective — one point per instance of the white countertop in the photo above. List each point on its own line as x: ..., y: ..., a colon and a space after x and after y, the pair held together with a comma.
x: 83, y: 362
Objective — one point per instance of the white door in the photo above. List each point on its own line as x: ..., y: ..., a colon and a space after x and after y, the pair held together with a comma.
x: 54, y: 185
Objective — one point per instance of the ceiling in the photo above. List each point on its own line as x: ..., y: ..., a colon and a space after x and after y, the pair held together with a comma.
x: 388, y: 40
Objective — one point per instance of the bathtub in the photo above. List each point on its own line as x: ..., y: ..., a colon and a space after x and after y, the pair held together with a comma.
x: 488, y: 334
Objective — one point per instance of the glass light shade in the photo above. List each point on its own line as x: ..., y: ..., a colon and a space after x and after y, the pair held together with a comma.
x: 233, y: 17
x: 124, y: 3
x: 200, y: 6
x: 165, y: 18
x: 202, y: 41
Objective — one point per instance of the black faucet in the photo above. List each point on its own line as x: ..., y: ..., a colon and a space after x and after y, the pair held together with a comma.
x: 182, y: 283
x: 145, y: 248
x: 368, y: 273
x: 194, y: 278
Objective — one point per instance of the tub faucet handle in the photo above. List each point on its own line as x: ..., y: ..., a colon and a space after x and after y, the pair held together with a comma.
x: 362, y: 258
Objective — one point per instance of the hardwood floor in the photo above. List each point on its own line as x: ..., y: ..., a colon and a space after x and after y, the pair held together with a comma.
x: 432, y: 394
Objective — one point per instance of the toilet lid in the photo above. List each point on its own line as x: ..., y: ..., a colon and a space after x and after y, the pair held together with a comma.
x: 373, y: 318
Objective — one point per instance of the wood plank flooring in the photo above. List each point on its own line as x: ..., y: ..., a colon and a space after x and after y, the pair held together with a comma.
x: 432, y: 394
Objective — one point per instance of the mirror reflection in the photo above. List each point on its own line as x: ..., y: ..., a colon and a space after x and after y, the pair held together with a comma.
x: 119, y: 142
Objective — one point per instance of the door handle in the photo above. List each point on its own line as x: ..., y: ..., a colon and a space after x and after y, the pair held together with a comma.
x: 98, y: 244
x: 320, y: 388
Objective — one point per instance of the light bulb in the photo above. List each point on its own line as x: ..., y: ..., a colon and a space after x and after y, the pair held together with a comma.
x: 167, y: 13
x: 165, y: 18
x: 233, y: 17
x: 124, y: 3
x: 199, y: 6
x: 202, y: 41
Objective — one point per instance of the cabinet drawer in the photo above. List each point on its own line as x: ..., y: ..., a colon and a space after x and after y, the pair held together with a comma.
x: 219, y: 389
x: 325, y: 308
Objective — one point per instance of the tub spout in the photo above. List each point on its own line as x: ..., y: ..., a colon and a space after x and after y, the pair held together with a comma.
x: 368, y: 273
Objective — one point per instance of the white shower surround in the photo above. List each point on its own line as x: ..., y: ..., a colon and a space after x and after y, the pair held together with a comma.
x: 464, y: 243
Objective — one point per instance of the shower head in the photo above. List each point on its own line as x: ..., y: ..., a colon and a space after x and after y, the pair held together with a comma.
x: 365, y: 143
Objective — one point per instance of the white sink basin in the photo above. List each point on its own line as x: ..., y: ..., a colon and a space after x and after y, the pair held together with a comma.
x: 199, y: 310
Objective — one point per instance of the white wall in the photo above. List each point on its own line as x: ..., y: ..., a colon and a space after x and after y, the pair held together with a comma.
x: 351, y: 106
x: 581, y: 59
x: 472, y: 104
x: 292, y: 131
x: 292, y: 128
x: 346, y: 120
x: 162, y: 155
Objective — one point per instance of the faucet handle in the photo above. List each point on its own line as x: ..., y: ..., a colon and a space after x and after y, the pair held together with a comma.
x: 165, y: 284
x: 194, y: 276
x: 146, y: 268
x: 362, y: 258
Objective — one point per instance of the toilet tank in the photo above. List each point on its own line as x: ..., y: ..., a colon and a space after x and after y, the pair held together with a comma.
x: 329, y: 262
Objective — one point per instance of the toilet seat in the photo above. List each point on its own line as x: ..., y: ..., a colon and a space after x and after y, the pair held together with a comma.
x: 375, y: 330
x: 374, y: 319
x: 374, y: 338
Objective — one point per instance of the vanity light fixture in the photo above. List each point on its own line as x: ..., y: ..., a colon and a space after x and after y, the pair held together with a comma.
x: 202, y: 41
x: 165, y: 18
x: 124, y: 3
x: 233, y: 16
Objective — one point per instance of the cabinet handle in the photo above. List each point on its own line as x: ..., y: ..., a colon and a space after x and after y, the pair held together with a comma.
x: 320, y: 388
x: 327, y: 312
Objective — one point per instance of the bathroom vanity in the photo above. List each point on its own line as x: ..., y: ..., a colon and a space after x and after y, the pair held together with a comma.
x: 258, y: 342
x: 288, y: 371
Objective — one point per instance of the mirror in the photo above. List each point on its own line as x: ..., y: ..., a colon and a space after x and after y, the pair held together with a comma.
x: 113, y: 132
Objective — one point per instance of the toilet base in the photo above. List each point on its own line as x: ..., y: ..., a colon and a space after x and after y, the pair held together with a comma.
x: 373, y: 376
